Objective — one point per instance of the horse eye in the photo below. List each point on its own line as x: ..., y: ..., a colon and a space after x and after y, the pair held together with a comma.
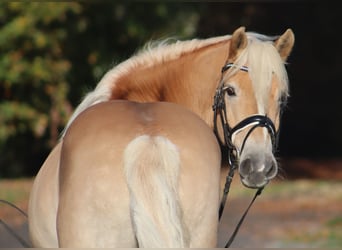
x: 231, y: 91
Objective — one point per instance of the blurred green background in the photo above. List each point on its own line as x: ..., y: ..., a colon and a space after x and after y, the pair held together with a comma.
x: 52, y: 53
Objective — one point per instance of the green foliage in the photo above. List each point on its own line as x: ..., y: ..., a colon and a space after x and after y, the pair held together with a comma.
x: 53, y: 52
x: 33, y: 67
x: 32, y: 64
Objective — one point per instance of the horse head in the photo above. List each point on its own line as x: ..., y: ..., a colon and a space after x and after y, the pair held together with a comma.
x: 253, y: 87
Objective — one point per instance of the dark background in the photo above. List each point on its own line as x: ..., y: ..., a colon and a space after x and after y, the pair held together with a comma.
x: 312, y: 121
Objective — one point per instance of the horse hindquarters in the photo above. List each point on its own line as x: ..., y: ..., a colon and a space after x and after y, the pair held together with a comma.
x: 152, y: 168
x: 164, y: 184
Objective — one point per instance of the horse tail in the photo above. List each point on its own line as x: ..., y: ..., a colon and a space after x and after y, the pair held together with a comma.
x: 152, y: 167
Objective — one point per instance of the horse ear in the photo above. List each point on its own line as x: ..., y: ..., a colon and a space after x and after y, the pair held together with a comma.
x: 284, y: 44
x: 238, y: 43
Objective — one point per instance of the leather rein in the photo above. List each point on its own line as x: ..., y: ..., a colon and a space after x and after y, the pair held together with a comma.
x: 255, y: 121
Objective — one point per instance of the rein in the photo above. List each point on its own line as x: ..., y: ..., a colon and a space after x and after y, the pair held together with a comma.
x: 11, y: 230
x: 255, y: 121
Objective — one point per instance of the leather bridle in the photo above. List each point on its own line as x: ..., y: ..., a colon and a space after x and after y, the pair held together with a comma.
x: 254, y: 121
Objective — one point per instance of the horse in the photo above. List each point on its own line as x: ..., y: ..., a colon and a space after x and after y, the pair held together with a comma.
x: 235, y: 83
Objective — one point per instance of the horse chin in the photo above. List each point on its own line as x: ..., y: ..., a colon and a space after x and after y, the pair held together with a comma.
x: 254, y: 181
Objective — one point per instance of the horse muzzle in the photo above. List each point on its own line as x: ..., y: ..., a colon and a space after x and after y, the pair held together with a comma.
x: 257, y: 170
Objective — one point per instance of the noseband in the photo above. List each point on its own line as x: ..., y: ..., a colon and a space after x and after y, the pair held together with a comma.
x: 253, y: 122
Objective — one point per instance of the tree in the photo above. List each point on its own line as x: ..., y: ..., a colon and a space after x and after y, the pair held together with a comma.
x: 33, y: 87
x: 53, y: 52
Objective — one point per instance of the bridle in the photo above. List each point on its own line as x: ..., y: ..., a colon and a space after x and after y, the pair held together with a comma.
x: 254, y: 121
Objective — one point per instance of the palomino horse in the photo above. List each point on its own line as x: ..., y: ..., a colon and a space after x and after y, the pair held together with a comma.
x: 249, y: 89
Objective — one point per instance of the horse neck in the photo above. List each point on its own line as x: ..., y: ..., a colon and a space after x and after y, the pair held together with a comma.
x: 190, y: 80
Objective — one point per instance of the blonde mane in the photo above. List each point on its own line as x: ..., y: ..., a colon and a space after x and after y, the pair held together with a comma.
x: 153, y: 53
x: 260, y: 55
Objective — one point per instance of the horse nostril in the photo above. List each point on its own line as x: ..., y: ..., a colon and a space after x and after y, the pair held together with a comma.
x: 246, y: 167
x: 271, y: 170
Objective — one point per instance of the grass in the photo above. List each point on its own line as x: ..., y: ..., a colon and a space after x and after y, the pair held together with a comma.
x: 329, y: 235
x: 307, y: 212
x: 286, y: 189
x: 312, y: 210
x: 334, y: 232
x: 327, y: 194
x: 15, y: 191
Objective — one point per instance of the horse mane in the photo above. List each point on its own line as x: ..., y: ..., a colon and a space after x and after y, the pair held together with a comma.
x: 157, y: 52
x: 152, y: 53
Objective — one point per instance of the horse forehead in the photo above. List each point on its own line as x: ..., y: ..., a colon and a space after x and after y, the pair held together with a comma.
x: 243, y: 80
x: 260, y: 94
x: 247, y: 87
